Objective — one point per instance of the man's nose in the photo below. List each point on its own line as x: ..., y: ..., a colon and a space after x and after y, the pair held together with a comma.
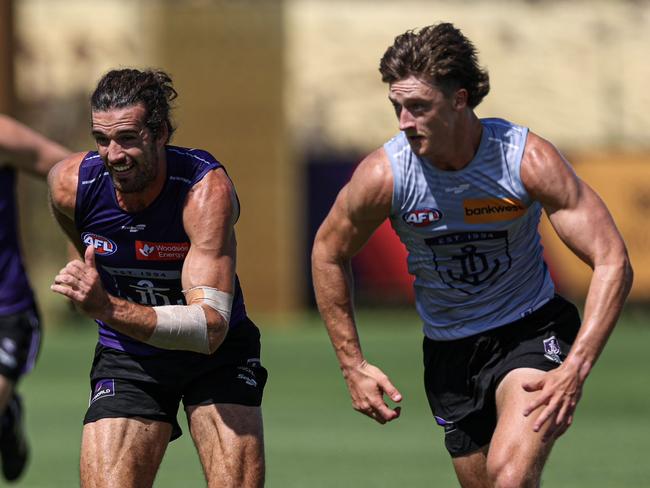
x: 406, y: 120
x: 115, y: 152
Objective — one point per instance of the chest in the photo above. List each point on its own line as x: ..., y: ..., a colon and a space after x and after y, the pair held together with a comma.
x: 155, y: 236
x: 432, y: 205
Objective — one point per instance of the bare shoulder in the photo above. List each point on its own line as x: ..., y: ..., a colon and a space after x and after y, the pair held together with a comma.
x: 211, y: 203
x: 371, y: 187
x: 62, y: 181
x: 214, y: 189
x: 546, y: 174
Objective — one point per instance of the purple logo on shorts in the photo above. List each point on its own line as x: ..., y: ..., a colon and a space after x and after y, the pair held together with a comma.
x: 446, y: 424
x: 103, y: 388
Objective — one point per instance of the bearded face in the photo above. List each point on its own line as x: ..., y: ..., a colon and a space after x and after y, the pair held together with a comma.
x: 127, y: 147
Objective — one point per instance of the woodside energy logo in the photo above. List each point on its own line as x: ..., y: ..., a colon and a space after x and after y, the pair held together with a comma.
x: 161, y: 251
x: 482, y: 210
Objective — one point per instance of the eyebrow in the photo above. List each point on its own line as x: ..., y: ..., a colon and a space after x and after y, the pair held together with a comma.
x: 407, y: 99
x: 118, y: 131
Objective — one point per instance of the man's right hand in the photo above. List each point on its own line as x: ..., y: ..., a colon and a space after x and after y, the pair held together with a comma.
x: 367, y: 385
x: 80, y: 282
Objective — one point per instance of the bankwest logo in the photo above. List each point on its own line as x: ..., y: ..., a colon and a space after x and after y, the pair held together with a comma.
x: 161, y: 251
x: 479, y: 211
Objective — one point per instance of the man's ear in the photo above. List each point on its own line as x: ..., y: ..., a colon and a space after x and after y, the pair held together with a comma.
x: 163, y: 136
x: 460, y: 99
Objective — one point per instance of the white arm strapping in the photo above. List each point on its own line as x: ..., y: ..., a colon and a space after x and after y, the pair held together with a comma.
x: 219, y: 301
x: 185, y: 327
x: 181, y: 327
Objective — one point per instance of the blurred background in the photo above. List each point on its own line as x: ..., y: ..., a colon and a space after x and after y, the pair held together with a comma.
x: 287, y: 94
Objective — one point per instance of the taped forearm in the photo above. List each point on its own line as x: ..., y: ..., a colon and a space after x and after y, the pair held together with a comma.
x: 181, y: 327
x: 185, y: 327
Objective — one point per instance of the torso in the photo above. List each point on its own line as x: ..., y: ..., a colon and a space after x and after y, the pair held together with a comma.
x: 471, y: 235
x: 140, y: 255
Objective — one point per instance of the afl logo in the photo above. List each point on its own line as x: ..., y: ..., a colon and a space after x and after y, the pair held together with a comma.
x: 422, y: 217
x: 103, y: 246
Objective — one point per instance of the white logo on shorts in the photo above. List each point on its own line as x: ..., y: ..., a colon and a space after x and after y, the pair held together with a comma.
x: 247, y: 379
x: 552, y: 350
x: 7, y: 359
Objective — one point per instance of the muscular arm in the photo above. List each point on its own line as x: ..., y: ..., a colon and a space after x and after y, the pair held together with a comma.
x: 26, y: 149
x: 208, y: 217
x: 584, y: 224
x: 361, y: 206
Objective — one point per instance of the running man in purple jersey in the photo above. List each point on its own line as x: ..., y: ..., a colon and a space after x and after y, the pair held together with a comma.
x: 21, y: 149
x: 155, y: 226
x: 505, y: 359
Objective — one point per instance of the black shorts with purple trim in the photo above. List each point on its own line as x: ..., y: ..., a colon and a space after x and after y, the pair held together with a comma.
x: 125, y: 385
x: 20, y: 342
x: 461, y: 376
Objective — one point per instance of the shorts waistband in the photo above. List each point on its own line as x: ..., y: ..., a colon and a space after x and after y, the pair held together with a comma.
x: 544, y: 313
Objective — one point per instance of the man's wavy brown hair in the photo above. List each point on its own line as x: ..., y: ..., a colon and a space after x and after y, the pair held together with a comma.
x: 440, y: 53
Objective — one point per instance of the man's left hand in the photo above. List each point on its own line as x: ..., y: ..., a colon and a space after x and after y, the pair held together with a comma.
x: 559, y: 390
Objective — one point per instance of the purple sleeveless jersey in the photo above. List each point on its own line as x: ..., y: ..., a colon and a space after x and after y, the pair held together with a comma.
x: 15, y: 293
x: 140, y: 255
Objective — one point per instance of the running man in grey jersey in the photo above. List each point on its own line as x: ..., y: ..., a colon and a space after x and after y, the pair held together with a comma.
x: 505, y: 358
x: 21, y: 149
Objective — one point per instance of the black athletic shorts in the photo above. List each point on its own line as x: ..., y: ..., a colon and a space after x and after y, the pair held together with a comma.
x: 461, y: 376
x: 20, y: 342
x: 151, y: 387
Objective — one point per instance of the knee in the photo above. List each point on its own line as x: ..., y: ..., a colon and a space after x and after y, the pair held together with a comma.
x: 509, y: 473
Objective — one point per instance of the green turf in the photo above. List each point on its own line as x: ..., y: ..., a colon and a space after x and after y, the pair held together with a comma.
x: 315, y: 439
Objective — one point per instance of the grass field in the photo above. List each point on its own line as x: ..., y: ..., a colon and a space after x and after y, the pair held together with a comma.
x: 315, y: 439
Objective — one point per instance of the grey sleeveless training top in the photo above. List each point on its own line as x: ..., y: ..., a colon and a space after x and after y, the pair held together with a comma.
x: 471, y: 235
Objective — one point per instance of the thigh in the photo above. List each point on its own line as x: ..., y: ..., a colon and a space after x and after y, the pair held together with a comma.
x: 127, y: 386
x: 516, y: 450
x: 122, y: 452
x: 230, y: 442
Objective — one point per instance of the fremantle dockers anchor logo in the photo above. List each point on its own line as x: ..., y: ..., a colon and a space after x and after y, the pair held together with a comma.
x: 552, y: 349
x: 150, y: 294
x: 474, y: 265
x: 471, y: 261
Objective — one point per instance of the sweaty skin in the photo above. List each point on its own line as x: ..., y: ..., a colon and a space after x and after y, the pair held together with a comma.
x: 127, y: 452
x: 533, y: 407
x: 132, y: 155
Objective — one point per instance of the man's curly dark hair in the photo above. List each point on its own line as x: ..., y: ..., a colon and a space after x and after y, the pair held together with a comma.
x: 125, y: 87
